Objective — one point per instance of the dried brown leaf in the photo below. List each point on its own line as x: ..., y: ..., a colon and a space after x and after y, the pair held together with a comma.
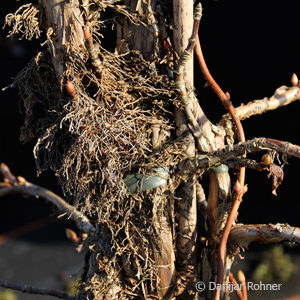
x: 277, y: 176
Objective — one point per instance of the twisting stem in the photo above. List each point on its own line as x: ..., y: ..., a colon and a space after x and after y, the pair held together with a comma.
x: 37, y: 291
x: 225, y: 98
x: 238, y: 292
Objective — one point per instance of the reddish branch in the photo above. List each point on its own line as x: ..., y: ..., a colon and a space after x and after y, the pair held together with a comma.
x: 34, y: 290
x: 225, y: 98
x: 242, y: 280
x: 234, y: 282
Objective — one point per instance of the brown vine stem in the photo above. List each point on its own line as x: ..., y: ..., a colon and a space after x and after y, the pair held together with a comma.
x: 37, y: 291
x: 234, y: 282
x: 242, y: 280
x: 225, y: 98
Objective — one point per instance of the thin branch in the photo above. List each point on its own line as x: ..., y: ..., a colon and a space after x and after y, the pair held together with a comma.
x: 34, y: 290
x: 239, y: 162
x: 282, y: 96
x: 237, y: 291
x: 225, y: 98
x: 255, y: 145
x: 8, y: 176
x: 242, y: 235
x: 231, y: 156
x: 242, y: 279
x: 28, y: 188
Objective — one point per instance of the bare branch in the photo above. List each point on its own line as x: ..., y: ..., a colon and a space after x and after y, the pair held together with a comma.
x: 8, y: 176
x: 231, y: 151
x: 28, y: 188
x: 242, y: 279
x: 243, y: 235
x: 245, y: 162
x: 225, y: 99
x: 237, y: 291
x: 282, y: 96
x: 231, y: 156
x: 34, y: 290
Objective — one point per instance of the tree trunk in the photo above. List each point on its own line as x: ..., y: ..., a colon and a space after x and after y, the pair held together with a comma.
x: 115, y: 132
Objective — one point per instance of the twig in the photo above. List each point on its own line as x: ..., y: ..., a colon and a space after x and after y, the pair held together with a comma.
x: 34, y: 290
x: 282, y: 96
x: 225, y: 98
x: 255, y: 145
x: 244, y: 162
x: 231, y: 156
x: 8, y: 176
x: 28, y: 188
x: 238, y: 292
x: 242, y: 235
x: 242, y: 279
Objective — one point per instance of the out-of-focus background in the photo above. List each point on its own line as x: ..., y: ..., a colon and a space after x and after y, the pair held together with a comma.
x: 252, y: 48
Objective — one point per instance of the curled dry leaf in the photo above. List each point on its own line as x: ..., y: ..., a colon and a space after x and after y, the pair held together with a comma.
x: 277, y: 176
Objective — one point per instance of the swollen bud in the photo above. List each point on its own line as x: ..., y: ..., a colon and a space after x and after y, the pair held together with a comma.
x: 87, y: 34
x: 241, y: 276
x: 21, y: 180
x: 245, y: 189
x: 294, y: 79
x: 266, y: 159
x: 71, y: 235
x: 227, y: 95
x: 70, y: 88
x: 237, y: 187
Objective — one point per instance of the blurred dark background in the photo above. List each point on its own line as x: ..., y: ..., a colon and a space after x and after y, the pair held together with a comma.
x: 251, y: 47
